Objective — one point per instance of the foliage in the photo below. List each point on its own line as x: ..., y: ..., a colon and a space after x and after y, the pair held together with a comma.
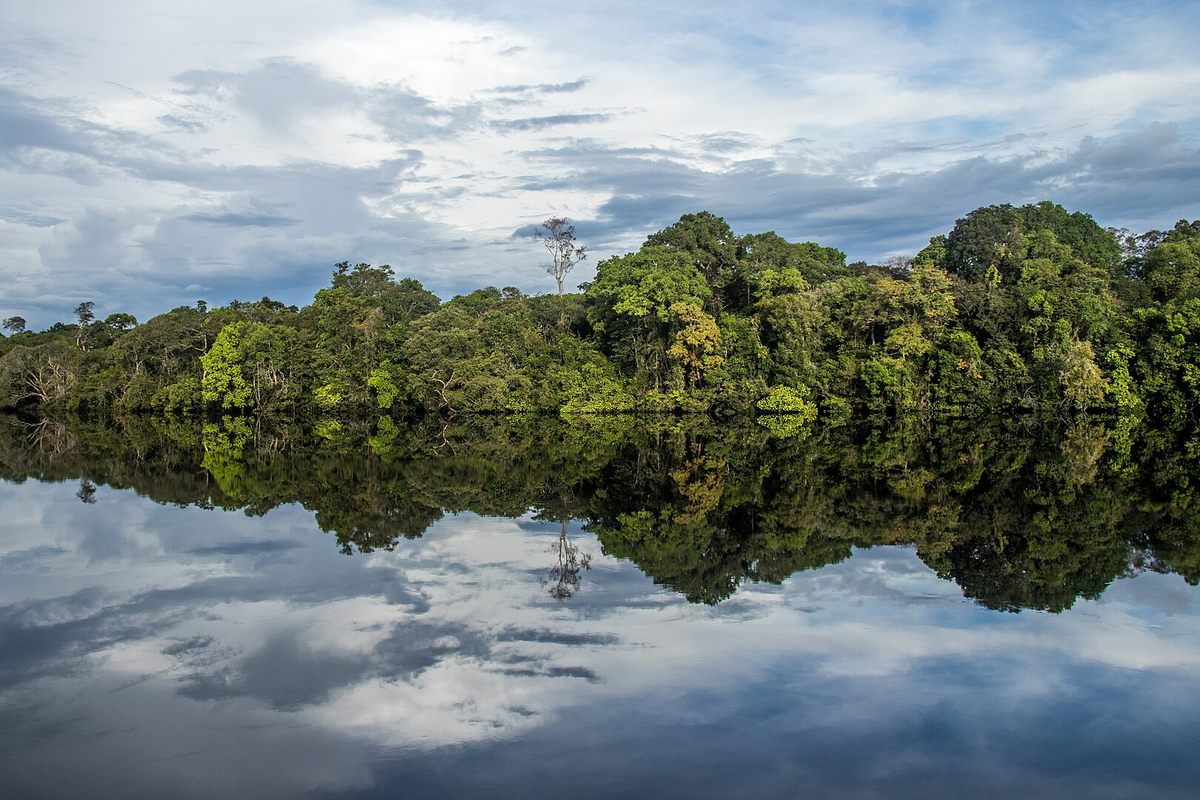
x: 1030, y: 310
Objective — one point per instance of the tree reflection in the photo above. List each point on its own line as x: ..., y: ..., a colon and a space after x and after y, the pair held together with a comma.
x: 87, y: 492
x: 1020, y: 516
x: 565, y: 576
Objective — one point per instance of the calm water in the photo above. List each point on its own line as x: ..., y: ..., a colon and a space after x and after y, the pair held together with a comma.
x: 152, y: 645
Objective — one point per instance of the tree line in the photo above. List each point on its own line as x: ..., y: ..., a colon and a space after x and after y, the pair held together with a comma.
x: 1028, y: 310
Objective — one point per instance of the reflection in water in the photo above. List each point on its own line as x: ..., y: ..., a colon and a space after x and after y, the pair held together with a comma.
x: 565, y: 576
x: 214, y: 643
x: 1019, y: 519
x: 87, y: 492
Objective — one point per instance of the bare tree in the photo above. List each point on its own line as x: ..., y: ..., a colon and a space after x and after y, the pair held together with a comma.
x: 46, y: 381
x: 443, y: 386
x: 565, y: 576
x: 558, y: 236
x: 898, y: 265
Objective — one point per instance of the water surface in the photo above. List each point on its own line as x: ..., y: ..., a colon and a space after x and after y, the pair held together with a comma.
x: 157, y: 646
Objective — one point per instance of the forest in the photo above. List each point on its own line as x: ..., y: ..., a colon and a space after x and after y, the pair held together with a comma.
x: 1028, y: 310
x: 1017, y: 401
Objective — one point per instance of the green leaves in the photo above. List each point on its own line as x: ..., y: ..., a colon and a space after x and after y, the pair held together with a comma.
x: 645, y: 283
x: 223, y: 383
x: 1017, y: 309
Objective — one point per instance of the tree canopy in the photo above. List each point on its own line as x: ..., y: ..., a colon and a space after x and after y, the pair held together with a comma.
x: 1029, y: 310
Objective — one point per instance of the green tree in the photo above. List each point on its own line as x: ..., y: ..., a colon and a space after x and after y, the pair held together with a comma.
x: 86, y: 316
x: 630, y: 304
x: 120, y: 321
x: 1172, y: 269
x: 697, y: 341
x: 710, y: 245
x: 223, y: 383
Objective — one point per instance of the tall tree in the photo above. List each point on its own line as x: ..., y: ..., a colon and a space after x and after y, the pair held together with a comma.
x: 558, y: 237
x: 710, y: 244
x: 631, y: 306
x: 86, y: 316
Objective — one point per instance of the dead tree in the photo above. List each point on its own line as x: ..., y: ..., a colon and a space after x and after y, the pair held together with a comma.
x: 565, y: 577
x: 558, y: 236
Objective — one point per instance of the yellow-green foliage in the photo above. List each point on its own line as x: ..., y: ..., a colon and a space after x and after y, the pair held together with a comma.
x: 1018, y: 310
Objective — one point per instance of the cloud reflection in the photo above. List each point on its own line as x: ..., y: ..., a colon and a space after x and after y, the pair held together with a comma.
x: 241, y: 655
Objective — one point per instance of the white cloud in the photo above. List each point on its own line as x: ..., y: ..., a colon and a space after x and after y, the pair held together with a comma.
x: 145, y: 116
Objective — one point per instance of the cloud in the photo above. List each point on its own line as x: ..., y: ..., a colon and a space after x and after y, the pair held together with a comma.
x: 234, y: 220
x: 19, y: 216
x: 97, y: 239
x: 246, y: 152
x: 244, y: 548
x: 406, y: 116
x: 183, y: 124
x: 312, y: 677
x: 550, y: 121
x: 285, y: 97
x: 870, y: 213
x: 727, y: 141
x: 565, y: 87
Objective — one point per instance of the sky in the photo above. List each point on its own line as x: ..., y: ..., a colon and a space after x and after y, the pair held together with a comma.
x: 156, y: 153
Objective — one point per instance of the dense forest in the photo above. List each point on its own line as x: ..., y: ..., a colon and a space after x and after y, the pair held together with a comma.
x: 1018, y: 310
x: 1018, y: 401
